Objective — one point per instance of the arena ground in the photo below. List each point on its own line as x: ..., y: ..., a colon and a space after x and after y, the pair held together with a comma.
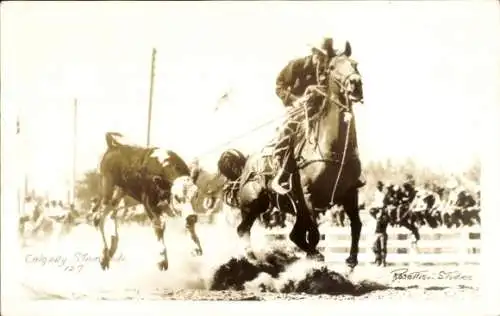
x: 69, y: 269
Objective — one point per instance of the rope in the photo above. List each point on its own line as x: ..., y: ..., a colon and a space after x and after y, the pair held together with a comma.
x: 343, y: 159
x: 242, y: 135
x: 306, y: 118
x: 290, y: 114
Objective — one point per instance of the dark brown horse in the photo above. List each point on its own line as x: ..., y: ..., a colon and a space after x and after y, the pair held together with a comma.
x: 325, y: 165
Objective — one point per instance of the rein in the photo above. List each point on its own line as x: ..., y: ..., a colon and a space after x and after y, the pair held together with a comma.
x: 348, y: 119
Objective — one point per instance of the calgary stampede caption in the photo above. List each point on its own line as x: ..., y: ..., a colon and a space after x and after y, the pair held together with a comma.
x: 404, y: 274
x: 74, y: 263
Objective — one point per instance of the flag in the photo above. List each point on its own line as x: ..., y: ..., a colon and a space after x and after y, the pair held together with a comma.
x: 223, y: 99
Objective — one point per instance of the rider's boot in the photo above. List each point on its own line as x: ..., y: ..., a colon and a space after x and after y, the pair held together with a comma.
x: 281, y: 182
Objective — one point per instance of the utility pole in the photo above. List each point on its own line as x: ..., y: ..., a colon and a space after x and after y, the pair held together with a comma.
x: 151, y: 90
x: 75, y: 120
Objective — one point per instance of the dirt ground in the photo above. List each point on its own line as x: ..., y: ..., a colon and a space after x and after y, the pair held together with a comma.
x: 69, y: 269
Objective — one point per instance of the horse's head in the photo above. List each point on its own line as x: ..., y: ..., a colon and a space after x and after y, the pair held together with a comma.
x: 344, y: 79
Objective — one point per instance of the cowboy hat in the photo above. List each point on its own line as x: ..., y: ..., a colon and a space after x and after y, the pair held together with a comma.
x: 324, y: 46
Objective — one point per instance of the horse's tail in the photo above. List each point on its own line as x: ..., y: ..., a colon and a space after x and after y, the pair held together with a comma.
x: 231, y: 163
x: 110, y: 139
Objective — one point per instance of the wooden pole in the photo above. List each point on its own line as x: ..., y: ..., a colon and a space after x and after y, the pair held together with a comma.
x: 151, y: 90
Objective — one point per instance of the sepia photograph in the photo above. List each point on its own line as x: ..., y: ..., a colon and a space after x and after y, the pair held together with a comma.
x: 286, y: 155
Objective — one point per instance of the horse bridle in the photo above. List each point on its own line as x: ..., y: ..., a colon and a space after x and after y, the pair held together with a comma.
x: 346, y: 109
x: 343, y: 85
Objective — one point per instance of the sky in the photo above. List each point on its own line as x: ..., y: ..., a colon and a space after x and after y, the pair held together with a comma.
x: 429, y: 69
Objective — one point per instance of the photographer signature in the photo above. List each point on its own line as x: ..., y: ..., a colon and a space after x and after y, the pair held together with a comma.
x: 425, y: 275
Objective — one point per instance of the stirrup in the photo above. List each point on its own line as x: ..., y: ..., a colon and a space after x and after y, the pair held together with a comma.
x: 277, y: 187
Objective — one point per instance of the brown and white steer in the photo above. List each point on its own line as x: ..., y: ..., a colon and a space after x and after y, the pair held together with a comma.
x: 157, y: 178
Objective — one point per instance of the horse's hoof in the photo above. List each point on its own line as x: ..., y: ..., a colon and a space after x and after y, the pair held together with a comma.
x: 104, y: 261
x: 351, y: 262
x: 163, y: 265
x: 197, y: 252
x: 316, y: 257
x: 104, y: 264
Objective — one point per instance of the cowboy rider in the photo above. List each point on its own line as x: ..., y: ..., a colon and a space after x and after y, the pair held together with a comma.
x: 293, y: 84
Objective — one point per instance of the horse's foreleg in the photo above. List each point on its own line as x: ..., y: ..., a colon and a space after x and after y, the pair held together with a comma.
x: 248, y: 216
x: 107, y: 219
x: 109, y: 234
x: 191, y: 221
x: 254, y: 202
x: 313, y: 235
x: 158, y: 221
x: 305, y: 232
x: 350, y: 203
x: 297, y: 236
x: 159, y: 228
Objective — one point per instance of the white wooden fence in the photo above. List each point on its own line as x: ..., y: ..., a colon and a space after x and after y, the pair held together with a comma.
x: 436, y: 246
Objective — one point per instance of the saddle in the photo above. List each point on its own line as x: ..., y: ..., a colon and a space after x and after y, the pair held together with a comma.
x: 266, y: 166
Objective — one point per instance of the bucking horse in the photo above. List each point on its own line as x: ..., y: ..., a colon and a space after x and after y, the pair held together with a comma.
x: 157, y: 178
x: 323, y: 160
